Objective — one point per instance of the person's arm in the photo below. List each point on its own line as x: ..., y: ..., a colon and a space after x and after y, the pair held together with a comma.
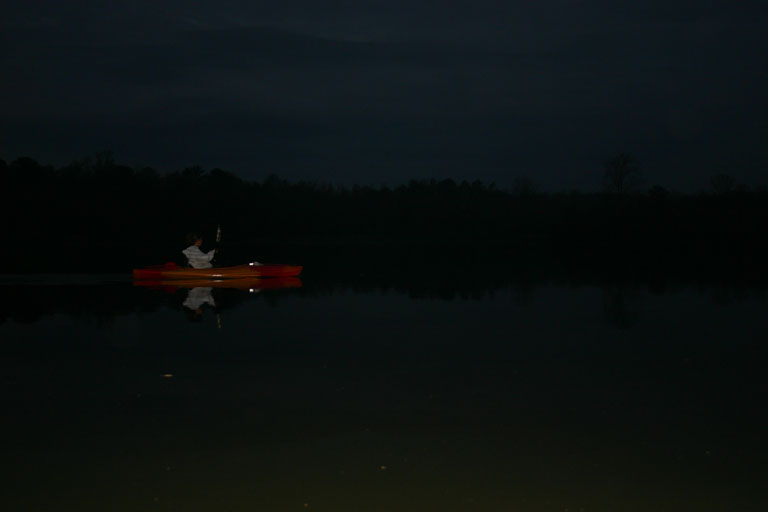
x: 210, y: 254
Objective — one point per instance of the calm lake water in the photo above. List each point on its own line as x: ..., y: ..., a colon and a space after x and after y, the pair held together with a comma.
x: 345, y: 398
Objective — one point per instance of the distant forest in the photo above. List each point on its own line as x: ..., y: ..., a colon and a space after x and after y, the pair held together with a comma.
x: 95, y: 214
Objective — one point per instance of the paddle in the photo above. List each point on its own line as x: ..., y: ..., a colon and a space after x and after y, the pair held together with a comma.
x: 215, y: 256
x: 218, y: 242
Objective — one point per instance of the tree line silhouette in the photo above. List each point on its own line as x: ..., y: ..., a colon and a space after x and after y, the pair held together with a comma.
x: 96, y: 214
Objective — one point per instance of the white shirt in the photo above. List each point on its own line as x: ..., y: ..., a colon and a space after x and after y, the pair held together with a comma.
x: 198, y: 258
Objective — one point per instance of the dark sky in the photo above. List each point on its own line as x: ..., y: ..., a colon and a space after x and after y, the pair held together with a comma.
x: 381, y: 92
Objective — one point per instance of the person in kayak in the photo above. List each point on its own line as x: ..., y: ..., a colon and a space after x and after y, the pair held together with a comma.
x: 195, y: 257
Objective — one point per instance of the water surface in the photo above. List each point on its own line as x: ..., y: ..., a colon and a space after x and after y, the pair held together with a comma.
x: 344, y: 398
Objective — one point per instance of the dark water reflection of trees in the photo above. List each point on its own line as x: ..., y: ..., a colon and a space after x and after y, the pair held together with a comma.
x: 26, y: 302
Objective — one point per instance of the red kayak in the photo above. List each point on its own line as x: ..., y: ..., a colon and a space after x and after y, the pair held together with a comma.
x: 251, y: 270
x: 245, y: 283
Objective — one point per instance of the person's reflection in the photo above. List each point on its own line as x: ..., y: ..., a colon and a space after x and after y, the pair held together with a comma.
x: 196, y: 299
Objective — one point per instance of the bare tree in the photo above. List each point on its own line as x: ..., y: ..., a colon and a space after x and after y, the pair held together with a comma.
x: 722, y: 183
x: 523, y: 186
x: 620, y: 306
x: 622, y: 173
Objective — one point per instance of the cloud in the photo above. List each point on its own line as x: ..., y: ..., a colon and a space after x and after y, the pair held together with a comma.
x: 547, y: 86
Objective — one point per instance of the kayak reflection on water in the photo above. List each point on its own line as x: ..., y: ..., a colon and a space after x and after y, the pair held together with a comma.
x: 194, y: 294
x: 196, y: 299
